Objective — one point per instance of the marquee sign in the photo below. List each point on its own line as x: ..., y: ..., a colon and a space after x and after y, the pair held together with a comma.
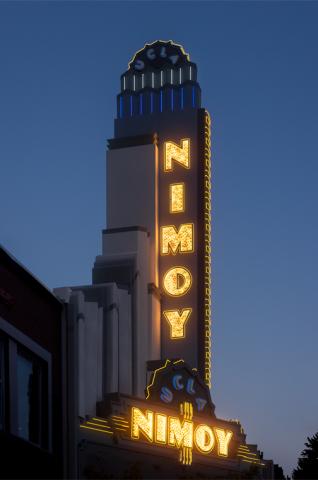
x: 185, y: 245
x: 182, y: 433
x: 181, y: 429
x: 177, y: 429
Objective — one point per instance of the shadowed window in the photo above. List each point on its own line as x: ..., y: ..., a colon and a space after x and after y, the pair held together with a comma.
x: 31, y: 398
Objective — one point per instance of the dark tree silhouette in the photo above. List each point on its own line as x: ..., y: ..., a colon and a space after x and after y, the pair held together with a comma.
x: 308, y: 461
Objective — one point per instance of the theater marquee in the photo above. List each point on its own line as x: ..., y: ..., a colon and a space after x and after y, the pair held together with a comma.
x: 180, y: 432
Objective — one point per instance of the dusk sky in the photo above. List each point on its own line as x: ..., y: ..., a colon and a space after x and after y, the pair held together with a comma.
x: 257, y: 66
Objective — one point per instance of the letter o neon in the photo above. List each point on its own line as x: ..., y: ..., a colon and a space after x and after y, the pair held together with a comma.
x: 204, y: 438
x: 177, y: 281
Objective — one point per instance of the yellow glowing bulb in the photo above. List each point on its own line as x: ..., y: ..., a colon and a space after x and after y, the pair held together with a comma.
x: 177, y: 320
x: 204, y: 438
x: 176, y: 197
x: 177, y: 281
x: 174, y: 241
x: 172, y: 151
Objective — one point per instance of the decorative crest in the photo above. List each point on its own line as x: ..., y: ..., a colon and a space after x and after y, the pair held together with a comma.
x: 159, y: 55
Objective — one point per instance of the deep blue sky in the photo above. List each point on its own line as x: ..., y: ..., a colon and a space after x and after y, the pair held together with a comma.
x: 60, y: 66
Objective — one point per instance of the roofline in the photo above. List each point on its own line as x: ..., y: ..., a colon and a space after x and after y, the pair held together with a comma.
x: 25, y: 271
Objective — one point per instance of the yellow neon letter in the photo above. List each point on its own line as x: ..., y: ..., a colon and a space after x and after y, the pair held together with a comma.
x: 142, y: 422
x: 204, y: 438
x: 161, y: 428
x: 172, y: 151
x: 223, y: 438
x: 174, y: 241
x: 177, y: 281
x: 180, y: 435
x: 177, y: 320
x: 176, y: 197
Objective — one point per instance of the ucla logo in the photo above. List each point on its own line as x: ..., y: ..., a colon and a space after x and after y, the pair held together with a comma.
x: 175, y: 382
x: 166, y: 394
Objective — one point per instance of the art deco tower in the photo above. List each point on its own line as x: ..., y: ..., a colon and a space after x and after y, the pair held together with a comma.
x: 139, y: 338
x: 158, y: 193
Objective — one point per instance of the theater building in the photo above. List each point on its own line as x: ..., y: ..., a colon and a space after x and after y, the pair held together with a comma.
x: 138, y: 339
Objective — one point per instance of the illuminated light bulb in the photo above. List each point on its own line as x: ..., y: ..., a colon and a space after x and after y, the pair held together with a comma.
x: 174, y: 241
x: 177, y: 197
x: 223, y: 437
x: 204, y: 438
x: 180, y: 434
x: 177, y: 281
x: 172, y: 151
x: 177, y: 320
x: 141, y: 422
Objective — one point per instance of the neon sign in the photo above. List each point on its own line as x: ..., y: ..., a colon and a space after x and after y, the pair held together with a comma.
x: 183, y: 434
x: 185, y: 244
x: 173, y: 152
x: 174, y: 240
x: 177, y: 320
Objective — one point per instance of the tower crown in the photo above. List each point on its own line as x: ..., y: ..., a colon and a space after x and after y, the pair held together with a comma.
x: 161, y: 70
x: 159, y: 53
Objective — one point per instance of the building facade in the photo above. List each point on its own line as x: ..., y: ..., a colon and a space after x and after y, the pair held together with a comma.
x: 31, y: 378
x: 138, y: 339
